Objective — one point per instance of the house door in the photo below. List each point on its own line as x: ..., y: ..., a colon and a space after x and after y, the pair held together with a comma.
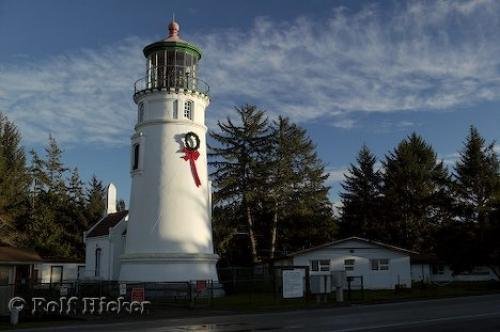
x: 22, y: 275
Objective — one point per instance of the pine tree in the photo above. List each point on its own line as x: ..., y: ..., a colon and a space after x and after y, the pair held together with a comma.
x: 75, y: 212
x: 476, y: 178
x: 52, y: 229
x: 415, y: 193
x: 237, y: 164
x: 14, y: 184
x: 361, y: 198
x: 472, y: 238
x: 120, y: 205
x: 295, y: 188
x: 95, y: 200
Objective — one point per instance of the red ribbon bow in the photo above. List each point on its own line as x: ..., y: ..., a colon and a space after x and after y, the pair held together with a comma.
x: 192, y: 155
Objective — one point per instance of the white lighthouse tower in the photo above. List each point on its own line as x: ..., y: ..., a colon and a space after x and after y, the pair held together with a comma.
x: 169, y: 233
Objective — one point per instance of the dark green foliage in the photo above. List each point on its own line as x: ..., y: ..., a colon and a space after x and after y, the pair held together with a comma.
x: 477, y: 179
x: 238, y: 167
x: 270, y: 194
x: 416, y: 186
x: 43, y: 206
x: 120, y: 205
x: 14, y: 184
x: 95, y: 199
x: 296, y: 192
x: 361, y: 198
x: 472, y: 237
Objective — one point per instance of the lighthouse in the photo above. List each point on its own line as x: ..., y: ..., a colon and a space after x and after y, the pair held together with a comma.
x: 169, y: 231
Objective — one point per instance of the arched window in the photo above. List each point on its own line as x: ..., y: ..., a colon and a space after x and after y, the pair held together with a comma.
x: 176, y: 109
x: 188, y: 110
x: 98, y: 262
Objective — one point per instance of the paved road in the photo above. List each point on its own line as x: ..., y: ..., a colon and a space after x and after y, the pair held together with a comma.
x: 478, y: 313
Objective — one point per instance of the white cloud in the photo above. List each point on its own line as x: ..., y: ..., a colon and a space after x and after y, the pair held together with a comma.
x: 416, y: 56
x: 82, y: 97
x: 432, y: 55
x: 336, y: 175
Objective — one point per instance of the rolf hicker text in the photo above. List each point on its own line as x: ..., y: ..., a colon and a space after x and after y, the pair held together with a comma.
x: 73, y: 305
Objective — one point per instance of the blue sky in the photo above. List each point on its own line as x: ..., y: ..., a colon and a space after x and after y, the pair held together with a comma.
x: 351, y: 72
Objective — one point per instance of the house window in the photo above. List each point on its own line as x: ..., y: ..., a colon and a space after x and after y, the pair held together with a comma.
x: 98, y: 262
x: 188, y: 110
x: 140, y: 116
x: 56, y: 274
x: 135, y: 161
x: 381, y: 264
x: 4, y: 275
x: 349, y: 264
x: 438, y: 269
x: 176, y: 109
x: 320, y: 265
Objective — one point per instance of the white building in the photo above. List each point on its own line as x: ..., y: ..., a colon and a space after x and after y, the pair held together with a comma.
x: 380, y: 265
x: 167, y: 233
x: 429, y: 269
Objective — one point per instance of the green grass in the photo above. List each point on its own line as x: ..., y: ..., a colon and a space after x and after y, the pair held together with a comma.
x: 259, y: 301
x: 267, y: 301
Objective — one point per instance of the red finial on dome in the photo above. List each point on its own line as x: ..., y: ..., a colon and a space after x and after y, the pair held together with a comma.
x: 173, y: 29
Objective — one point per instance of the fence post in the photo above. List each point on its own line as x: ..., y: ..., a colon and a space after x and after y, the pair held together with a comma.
x: 191, y: 297
x: 211, y: 293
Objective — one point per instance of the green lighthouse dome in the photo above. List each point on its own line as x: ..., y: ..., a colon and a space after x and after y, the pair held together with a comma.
x: 171, y: 64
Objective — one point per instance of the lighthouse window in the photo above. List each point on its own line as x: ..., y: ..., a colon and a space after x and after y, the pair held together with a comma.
x: 135, y: 164
x: 188, y: 110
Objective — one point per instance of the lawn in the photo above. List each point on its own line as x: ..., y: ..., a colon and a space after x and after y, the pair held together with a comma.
x: 251, y: 301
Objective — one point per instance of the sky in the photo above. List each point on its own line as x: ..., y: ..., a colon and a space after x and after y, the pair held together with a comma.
x: 350, y: 72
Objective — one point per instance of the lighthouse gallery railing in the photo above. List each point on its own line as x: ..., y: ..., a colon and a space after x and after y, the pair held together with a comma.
x: 164, y: 78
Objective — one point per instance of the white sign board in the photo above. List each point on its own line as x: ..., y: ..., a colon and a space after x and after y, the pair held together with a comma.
x: 293, y: 284
x: 123, y: 289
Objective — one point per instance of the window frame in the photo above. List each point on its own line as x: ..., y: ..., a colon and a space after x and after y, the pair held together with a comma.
x: 320, y: 265
x: 188, y: 109
x: 52, y: 267
x: 380, y: 264
x: 349, y: 264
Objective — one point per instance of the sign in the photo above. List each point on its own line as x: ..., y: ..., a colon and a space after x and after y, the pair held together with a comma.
x: 123, y: 289
x: 201, y: 285
x: 137, y: 294
x: 293, y: 283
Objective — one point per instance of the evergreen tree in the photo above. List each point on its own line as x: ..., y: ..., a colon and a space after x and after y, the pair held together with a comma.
x: 471, y: 238
x: 416, y: 194
x: 14, y: 184
x: 476, y: 178
x: 296, y: 189
x: 361, y: 198
x: 237, y: 163
x: 120, y: 205
x: 75, y: 212
x: 52, y: 230
x: 95, y: 200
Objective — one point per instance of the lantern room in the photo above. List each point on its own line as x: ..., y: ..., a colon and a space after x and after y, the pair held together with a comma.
x: 171, y: 64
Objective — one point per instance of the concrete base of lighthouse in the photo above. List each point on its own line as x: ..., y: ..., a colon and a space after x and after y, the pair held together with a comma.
x: 168, y: 267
